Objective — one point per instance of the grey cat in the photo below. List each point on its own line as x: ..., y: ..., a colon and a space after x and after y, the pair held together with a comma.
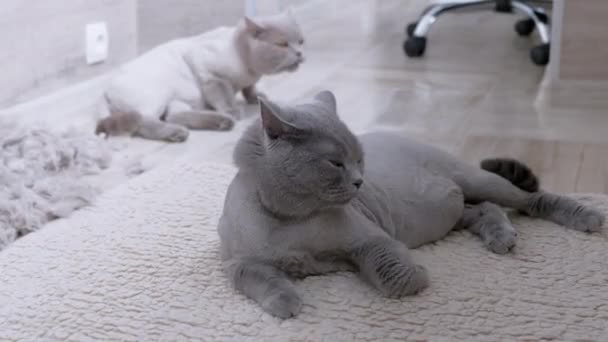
x: 301, y: 204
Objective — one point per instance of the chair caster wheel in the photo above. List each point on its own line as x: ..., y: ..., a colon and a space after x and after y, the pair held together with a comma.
x: 411, y: 27
x: 540, y: 54
x: 414, y: 46
x: 525, y: 27
x: 503, y: 6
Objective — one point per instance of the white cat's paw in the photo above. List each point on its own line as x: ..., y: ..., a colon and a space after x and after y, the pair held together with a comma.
x: 588, y: 220
x: 224, y: 124
x: 178, y: 134
x: 258, y: 96
x: 283, y: 305
x: 500, y: 239
x: 237, y: 113
x: 255, y: 98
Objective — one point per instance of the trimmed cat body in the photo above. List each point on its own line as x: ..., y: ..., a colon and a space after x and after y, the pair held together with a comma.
x: 191, y: 83
x: 306, y: 202
x: 410, y: 198
x: 171, y: 72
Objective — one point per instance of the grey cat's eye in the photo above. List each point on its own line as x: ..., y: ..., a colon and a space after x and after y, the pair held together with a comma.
x: 337, y: 164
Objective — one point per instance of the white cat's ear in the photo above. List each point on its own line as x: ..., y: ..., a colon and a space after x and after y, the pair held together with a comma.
x: 289, y: 14
x: 252, y: 27
x: 328, y: 99
x: 274, y: 126
x: 291, y: 18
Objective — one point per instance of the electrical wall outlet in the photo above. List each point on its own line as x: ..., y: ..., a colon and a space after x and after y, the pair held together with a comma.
x: 97, y: 42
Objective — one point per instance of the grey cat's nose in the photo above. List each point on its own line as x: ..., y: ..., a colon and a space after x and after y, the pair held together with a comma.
x: 358, y: 183
x: 298, y: 53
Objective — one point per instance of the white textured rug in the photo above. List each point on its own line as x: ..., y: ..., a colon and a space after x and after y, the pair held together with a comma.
x: 42, y: 176
x: 142, y: 265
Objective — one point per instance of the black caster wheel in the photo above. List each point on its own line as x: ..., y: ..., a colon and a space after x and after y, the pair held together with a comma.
x: 504, y: 6
x: 540, y: 54
x: 414, y: 46
x: 525, y: 27
x: 411, y: 28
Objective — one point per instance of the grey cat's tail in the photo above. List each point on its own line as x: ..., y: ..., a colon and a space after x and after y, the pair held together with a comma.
x: 514, y: 171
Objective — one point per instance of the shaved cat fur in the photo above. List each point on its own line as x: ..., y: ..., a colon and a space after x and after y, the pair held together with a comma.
x: 305, y: 201
x: 191, y: 83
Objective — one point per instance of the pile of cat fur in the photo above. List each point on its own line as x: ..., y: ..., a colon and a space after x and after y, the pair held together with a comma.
x: 43, y: 176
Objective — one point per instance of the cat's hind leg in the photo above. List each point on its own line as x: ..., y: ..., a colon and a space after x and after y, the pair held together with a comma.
x: 491, y: 224
x: 154, y: 129
x: 183, y: 114
x: 135, y: 124
x: 266, y: 285
x: 220, y: 95
x: 479, y: 185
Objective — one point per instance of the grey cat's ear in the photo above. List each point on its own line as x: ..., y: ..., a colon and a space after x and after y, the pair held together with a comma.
x: 274, y: 126
x: 252, y: 27
x: 328, y: 99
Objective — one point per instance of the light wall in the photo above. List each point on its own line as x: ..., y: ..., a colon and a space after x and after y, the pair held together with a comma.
x: 43, y: 41
x: 43, y: 45
x: 162, y: 20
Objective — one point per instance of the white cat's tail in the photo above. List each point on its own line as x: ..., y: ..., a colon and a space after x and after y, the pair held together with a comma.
x: 111, y: 122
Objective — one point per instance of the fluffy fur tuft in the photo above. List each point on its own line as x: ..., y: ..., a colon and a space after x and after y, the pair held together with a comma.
x: 42, y: 176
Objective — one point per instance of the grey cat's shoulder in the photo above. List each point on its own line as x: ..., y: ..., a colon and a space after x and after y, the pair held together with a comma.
x: 243, y: 222
x: 241, y: 199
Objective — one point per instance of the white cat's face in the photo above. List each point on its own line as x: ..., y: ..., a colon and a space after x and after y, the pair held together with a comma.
x: 275, y: 43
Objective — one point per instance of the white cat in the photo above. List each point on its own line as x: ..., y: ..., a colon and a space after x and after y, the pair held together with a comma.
x: 191, y: 83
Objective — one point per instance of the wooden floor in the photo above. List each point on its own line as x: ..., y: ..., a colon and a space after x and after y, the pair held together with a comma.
x: 475, y: 93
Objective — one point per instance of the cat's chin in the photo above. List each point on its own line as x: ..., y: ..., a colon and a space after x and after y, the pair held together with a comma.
x: 338, y: 201
x: 291, y: 67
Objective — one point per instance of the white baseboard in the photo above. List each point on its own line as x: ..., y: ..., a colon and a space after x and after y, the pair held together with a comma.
x: 72, y: 105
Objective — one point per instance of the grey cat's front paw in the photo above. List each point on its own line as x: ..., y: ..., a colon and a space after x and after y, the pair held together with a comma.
x: 178, y: 134
x: 588, y: 220
x: 283, y: 305
x: 409, y: 282
x: 500, y: 239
